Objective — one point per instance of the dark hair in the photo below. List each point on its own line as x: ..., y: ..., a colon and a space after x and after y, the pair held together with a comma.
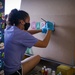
x: 15, y: 16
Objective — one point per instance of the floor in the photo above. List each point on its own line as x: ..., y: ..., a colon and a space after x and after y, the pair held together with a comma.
x: 37, y: 69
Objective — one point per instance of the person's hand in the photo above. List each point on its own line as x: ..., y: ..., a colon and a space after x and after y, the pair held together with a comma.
x: 50, y: 25
x: 44, y: 30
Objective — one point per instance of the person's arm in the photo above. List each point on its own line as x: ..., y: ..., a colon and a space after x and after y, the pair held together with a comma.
x: 29, y: 40
x: 34, y: 31
x: 44, y: 43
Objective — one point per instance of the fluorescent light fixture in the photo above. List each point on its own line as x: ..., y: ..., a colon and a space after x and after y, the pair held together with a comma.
x: 11, y: 4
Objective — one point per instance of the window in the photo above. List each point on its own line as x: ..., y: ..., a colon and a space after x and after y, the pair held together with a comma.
x: 11, y: 4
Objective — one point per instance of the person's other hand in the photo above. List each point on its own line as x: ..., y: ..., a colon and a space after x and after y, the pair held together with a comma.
x: 50, y: 25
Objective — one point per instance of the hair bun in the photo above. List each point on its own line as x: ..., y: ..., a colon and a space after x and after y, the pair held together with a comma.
x: 14, y: 11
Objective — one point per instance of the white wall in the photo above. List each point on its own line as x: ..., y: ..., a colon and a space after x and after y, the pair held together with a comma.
x: 62, y: 44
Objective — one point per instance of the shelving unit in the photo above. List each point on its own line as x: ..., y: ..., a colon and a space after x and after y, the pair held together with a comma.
x: 2, y: 26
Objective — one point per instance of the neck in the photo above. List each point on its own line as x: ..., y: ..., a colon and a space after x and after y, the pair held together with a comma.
x: 20, y: 27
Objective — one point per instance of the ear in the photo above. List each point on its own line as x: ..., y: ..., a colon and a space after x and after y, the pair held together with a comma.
x: 27, y: 20
x: 22, y: 22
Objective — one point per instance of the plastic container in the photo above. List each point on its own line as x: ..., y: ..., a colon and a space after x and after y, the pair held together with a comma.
x: 53, y: 73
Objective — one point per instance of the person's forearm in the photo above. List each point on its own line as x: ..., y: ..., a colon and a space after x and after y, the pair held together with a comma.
x: 34, y: 31
x: 44, y: 43
x: 47, y: 38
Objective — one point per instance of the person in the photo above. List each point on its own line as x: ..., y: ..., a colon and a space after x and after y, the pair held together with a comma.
x: 17, y: 38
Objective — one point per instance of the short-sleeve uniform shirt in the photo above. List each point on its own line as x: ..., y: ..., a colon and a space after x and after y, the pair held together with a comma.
x: 16, y: 42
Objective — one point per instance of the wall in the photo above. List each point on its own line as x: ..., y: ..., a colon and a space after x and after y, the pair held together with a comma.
x: 62, y: 43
